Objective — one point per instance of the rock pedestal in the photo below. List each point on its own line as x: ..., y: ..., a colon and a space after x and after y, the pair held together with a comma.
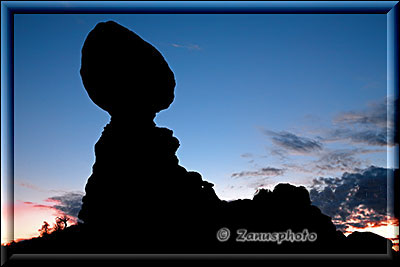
x: 139, y: 199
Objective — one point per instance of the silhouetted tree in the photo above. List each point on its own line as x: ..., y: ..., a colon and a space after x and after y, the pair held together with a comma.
x: 59, y: 225
x: 62, y: 220
x: 45, y: 230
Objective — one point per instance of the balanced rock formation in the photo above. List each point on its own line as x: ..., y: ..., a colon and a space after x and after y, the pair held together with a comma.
x: 136, y: 178
x: 138, y: 186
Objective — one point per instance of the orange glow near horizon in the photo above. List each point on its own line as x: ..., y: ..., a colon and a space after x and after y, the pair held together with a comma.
x: 29, y: 218
x: 387, y: 228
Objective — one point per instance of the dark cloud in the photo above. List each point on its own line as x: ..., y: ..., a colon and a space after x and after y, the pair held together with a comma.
x: 372, y: 126
x: 373, y: 137
x: 265, y: 172
x: 376, y: 114
x: 370, y: 137
x: 294, y: 143
x: 338, y: 160
x: 355, y: 198
x: 333, y: 161
x: 69, y: 203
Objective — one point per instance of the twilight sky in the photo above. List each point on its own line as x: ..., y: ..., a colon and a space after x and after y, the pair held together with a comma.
x: 260, y: 99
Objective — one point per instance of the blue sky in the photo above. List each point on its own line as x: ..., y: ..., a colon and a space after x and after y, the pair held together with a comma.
x: 260, y: 99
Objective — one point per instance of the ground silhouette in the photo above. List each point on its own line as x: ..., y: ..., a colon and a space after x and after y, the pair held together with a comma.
x: 140, y: 200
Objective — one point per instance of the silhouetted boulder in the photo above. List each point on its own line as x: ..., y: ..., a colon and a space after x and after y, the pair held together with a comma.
x: 124, y: 74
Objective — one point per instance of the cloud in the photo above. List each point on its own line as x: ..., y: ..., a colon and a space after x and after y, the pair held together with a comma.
x: 374, y: 125
x: 29, y: 186
x: 375, y: 115
x: 41, y: 206
x: 370, y: 137
x: 355, y: 199
x: 68, y: 204
x: 294, y: 143
x: 338, y: 160
x: 188, y: 47
x: 329, y: 162
x: 264, y: 172
x: 280, y: 153
x: 260, y: 183
x: 246, y: 155
x: 373, y: 137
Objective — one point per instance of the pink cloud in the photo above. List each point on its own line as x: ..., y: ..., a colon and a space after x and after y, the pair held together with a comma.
x: 29, y: 186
